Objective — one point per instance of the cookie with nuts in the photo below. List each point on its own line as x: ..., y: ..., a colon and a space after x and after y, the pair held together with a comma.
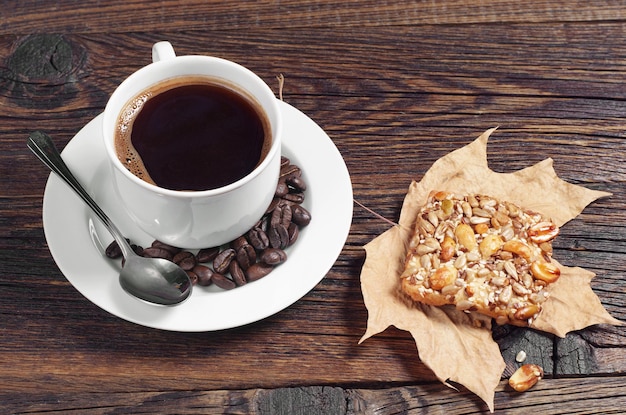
x: 481, y: 254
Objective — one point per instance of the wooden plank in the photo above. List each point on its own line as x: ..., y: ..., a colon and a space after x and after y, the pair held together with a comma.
x: 549, y: 396
x: 63, y: 16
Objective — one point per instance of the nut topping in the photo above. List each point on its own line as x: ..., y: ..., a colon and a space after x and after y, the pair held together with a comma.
x: 465, y: 235
x: 545, y: 271
x: 543, y: 232
x: 525, y: 377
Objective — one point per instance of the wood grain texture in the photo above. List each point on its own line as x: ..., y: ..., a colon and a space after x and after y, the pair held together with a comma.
x: 550, y: 396
x: 396, y: 85
x: 129, y: 16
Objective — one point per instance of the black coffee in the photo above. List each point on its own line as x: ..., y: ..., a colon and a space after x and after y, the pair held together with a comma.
x: 192, y: 134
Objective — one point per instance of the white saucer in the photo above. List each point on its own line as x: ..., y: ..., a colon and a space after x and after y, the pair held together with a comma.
x: 77, y: 239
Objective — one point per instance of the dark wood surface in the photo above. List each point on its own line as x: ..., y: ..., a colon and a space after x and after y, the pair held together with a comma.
x: 396, y: 85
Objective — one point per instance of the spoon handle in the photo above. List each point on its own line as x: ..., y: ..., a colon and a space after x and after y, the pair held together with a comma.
x: 42, y: 146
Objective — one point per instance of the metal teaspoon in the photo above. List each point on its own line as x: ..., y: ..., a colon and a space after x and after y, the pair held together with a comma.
x: 154, y: 280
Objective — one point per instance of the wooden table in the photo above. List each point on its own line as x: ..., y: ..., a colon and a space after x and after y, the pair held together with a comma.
x: 396, y: 85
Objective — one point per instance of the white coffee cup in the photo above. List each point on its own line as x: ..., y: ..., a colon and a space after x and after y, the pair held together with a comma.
x: 195, y: 219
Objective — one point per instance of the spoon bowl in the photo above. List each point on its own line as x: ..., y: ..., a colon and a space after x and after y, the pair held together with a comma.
x: 161, y: 280
x: 155, y: 280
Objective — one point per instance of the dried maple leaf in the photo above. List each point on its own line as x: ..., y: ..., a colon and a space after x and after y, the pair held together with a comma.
x: 455, y: 345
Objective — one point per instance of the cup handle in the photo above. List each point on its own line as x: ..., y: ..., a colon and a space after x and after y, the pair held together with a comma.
x: 162, y: 51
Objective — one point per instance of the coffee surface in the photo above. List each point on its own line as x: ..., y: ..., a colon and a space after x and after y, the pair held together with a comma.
x: 192, y: 134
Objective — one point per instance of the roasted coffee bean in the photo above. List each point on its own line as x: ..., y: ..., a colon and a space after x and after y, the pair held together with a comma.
x: 223, y: 282
x: 113, y: 251
x: 273, y: 256
x: 284, y: 161
x: 222, y: 260
x: 300, y: 216
x: 238, y: 243
x: 193, y: 277
x: 293, y: 232
x: 258, y: 271
x: 272, y: 205
x: 207, y: 254
x: 237, y: 273
x: 281, y: 189
x: 185, y: 259
x: 278, y: 236
x: 264, y: 223
x: 137, y: 249
x: 281, y: 215
x: 290, y: 170
x: 204, y: 275
x: 158, y: 244
x: 296, y: 182
x: 246, y: 256
x: 294, y: 197
x: 154, y: 252
x: 258, y: 238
